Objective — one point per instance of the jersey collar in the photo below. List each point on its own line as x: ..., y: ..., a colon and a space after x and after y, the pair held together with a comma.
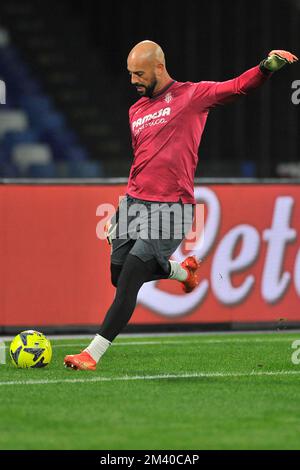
x: 163, y: 90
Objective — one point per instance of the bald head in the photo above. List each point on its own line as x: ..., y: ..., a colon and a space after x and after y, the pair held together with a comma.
x: 147, y: 51
x: 147, y: 67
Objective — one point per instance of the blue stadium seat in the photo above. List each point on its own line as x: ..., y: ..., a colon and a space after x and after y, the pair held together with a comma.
x: 8, y: 170
x: 41, y: 171
x: 50, y: 120
x: 248, y: 169
x: 60, y: 140
x: 12, y: 120
x: 25, y: 155
x: 85, y: 169
x: 76, y: 153
x: 13, y: 138
x: 29, y: 86
x: 36, y: 104
x: 8, y: 56
x: 17, y: 71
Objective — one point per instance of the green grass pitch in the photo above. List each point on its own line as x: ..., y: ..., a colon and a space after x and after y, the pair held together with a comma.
x: 193, y: 392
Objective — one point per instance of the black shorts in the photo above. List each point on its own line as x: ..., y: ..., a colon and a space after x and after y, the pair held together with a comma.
x: 149, y: 229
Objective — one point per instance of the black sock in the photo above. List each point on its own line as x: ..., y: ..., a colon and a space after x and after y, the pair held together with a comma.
x: 131, y: 278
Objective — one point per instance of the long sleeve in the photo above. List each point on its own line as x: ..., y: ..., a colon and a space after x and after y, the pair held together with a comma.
x: 209, y: 94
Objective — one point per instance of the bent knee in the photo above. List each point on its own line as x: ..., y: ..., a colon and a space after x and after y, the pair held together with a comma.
x: 115, y: 271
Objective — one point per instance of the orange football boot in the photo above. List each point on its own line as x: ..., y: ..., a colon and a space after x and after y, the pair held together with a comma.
x: 190, y: 264
x: 82, y: 361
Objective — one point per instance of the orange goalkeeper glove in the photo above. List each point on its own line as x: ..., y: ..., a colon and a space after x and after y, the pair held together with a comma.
x: 278, y: 59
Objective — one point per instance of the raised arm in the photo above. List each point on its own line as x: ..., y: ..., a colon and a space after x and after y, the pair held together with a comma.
x: 210, y: 94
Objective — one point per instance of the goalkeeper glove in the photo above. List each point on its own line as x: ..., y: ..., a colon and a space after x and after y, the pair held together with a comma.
x: 278, y: 59
x: 108, y: 228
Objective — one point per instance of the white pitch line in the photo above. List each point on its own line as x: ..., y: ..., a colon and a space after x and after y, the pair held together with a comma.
x: 187, y: 342
x: 184, y: 333
x: 200, y: 375
x: 205, y: 334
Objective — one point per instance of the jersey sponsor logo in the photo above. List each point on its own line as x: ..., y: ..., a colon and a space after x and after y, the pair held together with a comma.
x: 151, y: 117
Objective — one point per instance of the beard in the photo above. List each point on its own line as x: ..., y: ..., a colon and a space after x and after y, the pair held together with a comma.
x: 146, y: 90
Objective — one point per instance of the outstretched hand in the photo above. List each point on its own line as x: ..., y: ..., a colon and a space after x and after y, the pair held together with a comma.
x: 278, y: 59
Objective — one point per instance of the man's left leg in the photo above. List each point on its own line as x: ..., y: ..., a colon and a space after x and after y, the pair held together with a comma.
x: 134, y: 274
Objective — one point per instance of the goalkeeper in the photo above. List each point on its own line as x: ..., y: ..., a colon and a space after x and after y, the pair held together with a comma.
x: 166, y: 127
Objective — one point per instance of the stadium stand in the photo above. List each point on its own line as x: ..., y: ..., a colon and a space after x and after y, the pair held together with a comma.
x: 26, y: 154
x: 68, y: 78
x: 36, y: 135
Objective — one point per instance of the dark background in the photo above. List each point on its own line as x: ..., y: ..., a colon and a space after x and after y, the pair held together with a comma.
x: 202, y: 40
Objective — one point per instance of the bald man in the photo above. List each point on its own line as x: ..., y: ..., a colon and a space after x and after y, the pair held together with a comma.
x: 147, y: 68
x: 166, y: 123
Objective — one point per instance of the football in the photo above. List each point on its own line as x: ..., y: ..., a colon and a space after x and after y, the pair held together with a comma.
x: 30, y: 349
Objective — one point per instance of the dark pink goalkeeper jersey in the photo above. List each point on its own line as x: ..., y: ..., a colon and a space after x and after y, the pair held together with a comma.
x: 166, y: 132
